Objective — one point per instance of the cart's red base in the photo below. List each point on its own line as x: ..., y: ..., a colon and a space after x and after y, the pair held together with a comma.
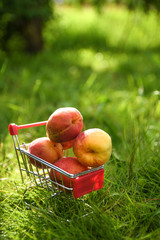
x: 88, y: 183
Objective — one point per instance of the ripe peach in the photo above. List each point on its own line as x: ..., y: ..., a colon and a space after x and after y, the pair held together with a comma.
x: 70, y: 165
x: 47, y: 150
x: 64, y: 124
x: 93, y: 147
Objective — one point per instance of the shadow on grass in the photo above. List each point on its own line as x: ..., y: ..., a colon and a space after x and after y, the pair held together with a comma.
x: 39, y: 216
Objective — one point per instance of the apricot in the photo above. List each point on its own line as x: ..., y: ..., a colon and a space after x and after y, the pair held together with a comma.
x: 45, y: 149
x: 64, y: 124
x: 70, y: 165
x: 93, y: 147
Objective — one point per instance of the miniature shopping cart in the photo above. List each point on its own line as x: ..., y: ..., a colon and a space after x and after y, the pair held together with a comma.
x: 83, y: 183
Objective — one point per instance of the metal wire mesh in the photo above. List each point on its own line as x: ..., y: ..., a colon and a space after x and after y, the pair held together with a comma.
x: 33, y: 175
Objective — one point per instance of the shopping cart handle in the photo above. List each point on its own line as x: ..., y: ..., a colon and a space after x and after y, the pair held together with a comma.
x: 13, y: 128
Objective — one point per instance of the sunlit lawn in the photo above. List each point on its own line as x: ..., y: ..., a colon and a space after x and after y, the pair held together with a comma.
x: 107, y: 66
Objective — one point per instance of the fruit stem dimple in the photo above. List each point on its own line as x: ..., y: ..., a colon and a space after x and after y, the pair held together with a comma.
x: 92, y: 151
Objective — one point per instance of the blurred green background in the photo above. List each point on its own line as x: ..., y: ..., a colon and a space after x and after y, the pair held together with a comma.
x: 103, y: 58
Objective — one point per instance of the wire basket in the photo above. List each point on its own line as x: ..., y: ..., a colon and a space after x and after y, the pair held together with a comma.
x: 82, y: 183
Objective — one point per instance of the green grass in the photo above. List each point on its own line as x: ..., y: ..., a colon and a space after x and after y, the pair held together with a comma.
x: 107, y: 66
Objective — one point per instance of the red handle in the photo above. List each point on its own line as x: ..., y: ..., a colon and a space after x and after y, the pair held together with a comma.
x: 13, y: 128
